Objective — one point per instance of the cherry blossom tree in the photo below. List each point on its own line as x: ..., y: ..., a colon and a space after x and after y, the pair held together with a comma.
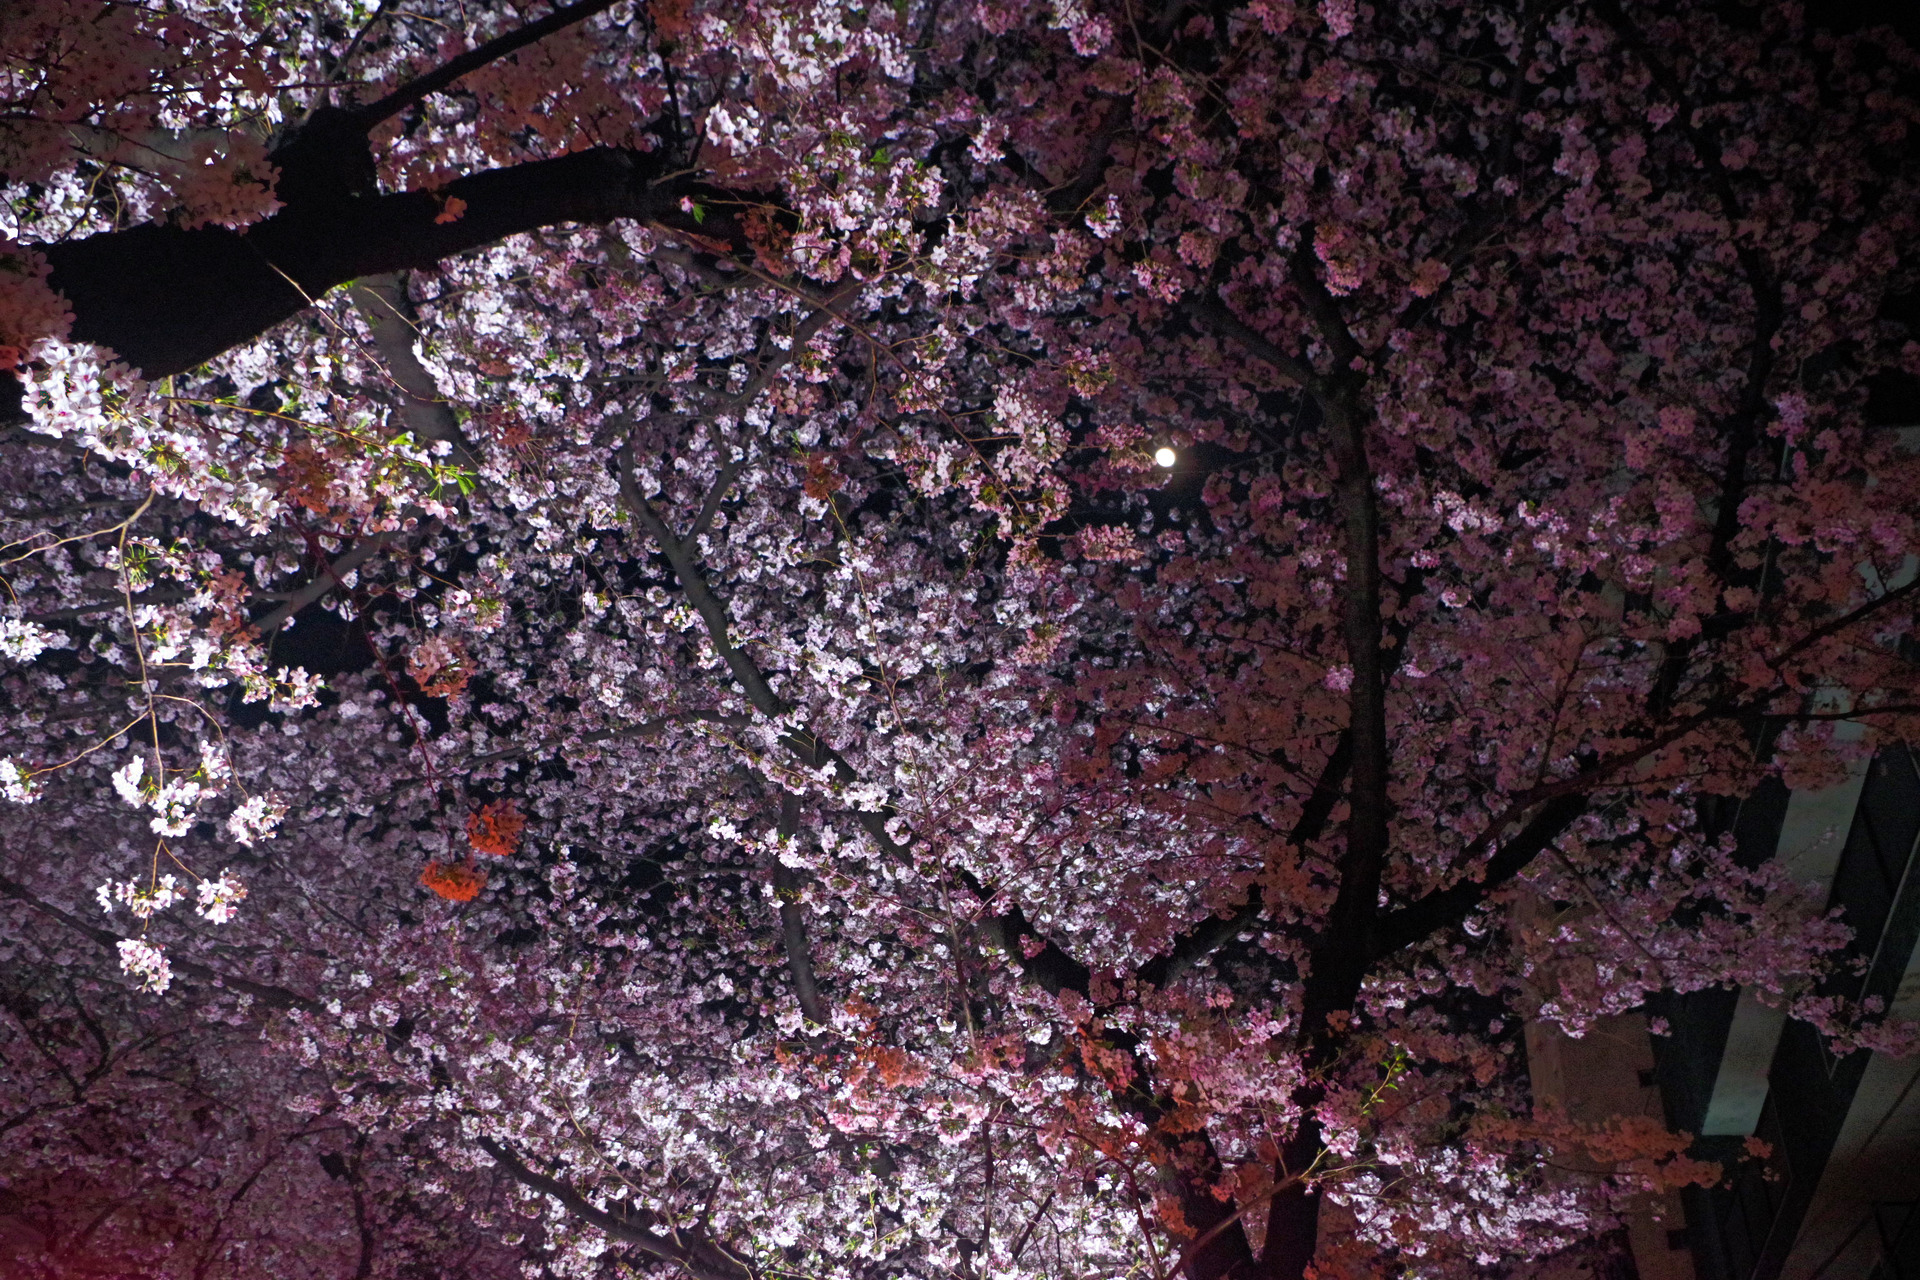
x: 763, y: 638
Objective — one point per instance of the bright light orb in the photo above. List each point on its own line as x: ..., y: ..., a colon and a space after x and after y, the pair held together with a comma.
x: 1165, y: 456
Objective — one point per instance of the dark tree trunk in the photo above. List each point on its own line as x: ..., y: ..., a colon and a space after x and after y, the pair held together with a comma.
x: 166, y: 299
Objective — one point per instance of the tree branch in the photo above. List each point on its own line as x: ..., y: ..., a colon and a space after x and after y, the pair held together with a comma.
x: 166, y: 299
x: 272, y: 996
x: 742, y: 400
x: 1444, y: 907
x: 646, y: 728
x: 1342, y: 953
x: 1227, y: 1253
x: 793, y: 921
x: 1339, y: 960
x: 753, y: 682
x: 329, y: 577
x: 1741, y: 428
x: 1210, y: 934
x: 383, y: 303
x: 1049, y: 967
x: 701, y: 1260
x: 422, y: 87
x: 1215, y: 314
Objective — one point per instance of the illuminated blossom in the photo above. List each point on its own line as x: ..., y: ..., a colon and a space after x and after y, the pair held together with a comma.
x: 148, y: 963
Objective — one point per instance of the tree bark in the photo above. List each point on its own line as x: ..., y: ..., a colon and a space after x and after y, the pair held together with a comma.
x: 167, y: 299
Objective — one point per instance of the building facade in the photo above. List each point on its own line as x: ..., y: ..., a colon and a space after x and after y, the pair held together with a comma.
x: 1837, y: 1198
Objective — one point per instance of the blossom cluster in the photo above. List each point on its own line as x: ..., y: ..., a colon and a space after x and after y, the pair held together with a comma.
x: 757, y: 736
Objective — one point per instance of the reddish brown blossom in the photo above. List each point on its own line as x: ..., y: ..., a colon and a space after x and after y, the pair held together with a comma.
x: 496, y: 828
x: 454, y: 881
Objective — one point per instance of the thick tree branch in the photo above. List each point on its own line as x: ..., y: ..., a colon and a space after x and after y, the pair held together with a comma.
x: 1339, y: 961
x: 383, y: 303
x: 1049, y: 967
x: 700, y: 1259
x: 1342, y: 953
x: 1445, y: 907
x: 793, y: 920
x: 1565, y: 800
x: 1068, y: 197
x: 1601, y: 773
x: 166, y: 299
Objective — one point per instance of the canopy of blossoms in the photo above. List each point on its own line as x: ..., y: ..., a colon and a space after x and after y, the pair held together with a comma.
x: 762, y: 638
